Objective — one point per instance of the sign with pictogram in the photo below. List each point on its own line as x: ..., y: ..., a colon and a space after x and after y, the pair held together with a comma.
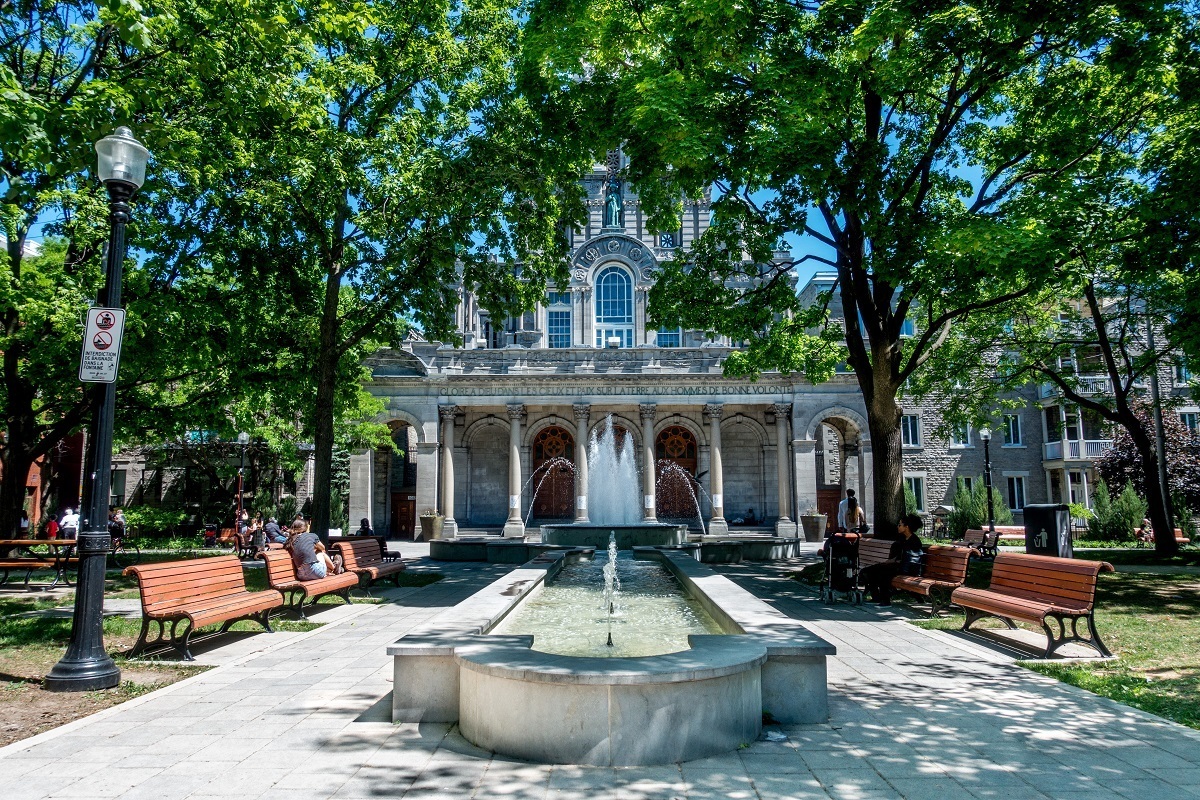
x: 102, y: 345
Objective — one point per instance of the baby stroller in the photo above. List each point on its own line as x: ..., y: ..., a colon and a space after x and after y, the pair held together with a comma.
x: 841, y: 569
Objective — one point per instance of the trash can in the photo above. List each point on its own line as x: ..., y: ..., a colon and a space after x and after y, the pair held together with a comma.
x: 1048, y: 530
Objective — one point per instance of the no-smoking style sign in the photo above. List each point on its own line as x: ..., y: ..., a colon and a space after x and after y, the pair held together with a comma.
x: 102, y: 345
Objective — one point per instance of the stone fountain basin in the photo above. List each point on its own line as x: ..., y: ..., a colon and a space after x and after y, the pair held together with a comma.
x: 559, y: 709
x: 629, y: 536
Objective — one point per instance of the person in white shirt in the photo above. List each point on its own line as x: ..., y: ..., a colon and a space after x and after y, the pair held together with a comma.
x: 851, y: 516
x: 70, y: 525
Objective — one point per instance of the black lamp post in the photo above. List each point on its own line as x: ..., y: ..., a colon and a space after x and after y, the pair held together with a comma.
x: 86, y: 666
x: 243, y: 440
x: 986, y: 435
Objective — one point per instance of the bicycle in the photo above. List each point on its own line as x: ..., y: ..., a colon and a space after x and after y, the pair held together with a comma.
x: 124, y: 554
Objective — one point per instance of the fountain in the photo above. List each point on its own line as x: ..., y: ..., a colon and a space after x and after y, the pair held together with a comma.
x: 614, y: 500
x: 561, y: 662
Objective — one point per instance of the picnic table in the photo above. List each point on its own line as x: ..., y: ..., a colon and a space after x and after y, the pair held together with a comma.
x: 23, y: 554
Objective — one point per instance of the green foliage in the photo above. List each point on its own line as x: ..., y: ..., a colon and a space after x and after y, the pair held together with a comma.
x: 288, y: 508
x: 970, y: 509
x: 910, y: 500
x: 1079, y: 511
x: 1115, y: 520
x: 151, y: 520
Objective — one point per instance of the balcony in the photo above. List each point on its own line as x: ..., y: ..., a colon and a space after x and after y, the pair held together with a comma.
x: 1076, y: 450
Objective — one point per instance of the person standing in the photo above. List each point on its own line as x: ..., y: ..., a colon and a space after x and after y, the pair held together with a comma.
x: 24, y: 525
x: 851, y: 516
x: 69, y: 527
x: 877, y: 578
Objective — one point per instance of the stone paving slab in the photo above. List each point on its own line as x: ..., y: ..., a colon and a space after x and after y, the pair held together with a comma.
x: 914, y: 714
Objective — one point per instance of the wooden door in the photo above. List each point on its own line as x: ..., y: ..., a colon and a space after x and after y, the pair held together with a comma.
x: 553, y: 476
x: 404, y: 515
x: 827, y: 504
x: 675, y: 488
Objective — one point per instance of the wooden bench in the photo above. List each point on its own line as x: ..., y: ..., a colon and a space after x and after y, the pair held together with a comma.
x: 983, y: 542
x: 363, y: 558
x: 1036, y: 589
x: 1146, y: 538
x: 281, y: 575
x: 202, y: 592
x: 384, y: 553
x: 945, y: 569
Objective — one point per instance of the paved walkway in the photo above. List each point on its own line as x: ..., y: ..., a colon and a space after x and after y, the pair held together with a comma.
x: 914, y: 714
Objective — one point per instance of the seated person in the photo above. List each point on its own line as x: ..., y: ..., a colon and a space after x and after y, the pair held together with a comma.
x: 274, y: 533
x: 877, y: 578
x: 364, y: 528
x: 750, y: 518
x: 309, y: 556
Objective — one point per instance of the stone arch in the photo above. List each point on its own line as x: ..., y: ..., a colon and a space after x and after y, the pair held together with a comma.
x: 743, y: 419
x: 632, y: 428
x: 393, y: 415
x: 475, y: 427
x: 609, y: 248
x: 857, y: 421
x: 698, y: 430
x: 676, y: 447
x: 534, y: 428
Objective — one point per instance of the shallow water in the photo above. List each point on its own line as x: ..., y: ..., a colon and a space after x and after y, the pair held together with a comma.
x: 652, y: 614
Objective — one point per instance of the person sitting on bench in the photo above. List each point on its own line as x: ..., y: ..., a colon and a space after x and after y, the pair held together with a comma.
x: 877, y: 578
x: 309, y: 556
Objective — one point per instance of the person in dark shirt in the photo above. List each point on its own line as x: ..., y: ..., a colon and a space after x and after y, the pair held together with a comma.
x: 309, y: 556
x: 877, y: 578
x: 364, y: 529
x: 274, y: 533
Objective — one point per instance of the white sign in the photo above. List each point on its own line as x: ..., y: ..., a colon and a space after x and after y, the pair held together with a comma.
x: 102, y: 345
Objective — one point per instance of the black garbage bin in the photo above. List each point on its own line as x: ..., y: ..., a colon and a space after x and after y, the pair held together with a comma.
x: 1048, y: 530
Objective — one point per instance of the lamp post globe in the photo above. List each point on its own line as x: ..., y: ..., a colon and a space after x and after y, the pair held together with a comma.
x: 86, y: 666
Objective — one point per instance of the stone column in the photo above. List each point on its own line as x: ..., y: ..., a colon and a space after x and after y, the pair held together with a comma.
x: 582, y: 412
x: 784, y: 525
x: 716, y: 480
x: 514, y: 527
x: 447, y: 413
x: 647, y: 411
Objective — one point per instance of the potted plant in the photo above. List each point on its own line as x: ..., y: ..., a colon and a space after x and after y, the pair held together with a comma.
x: 812, y: 521
x: 431, y: 524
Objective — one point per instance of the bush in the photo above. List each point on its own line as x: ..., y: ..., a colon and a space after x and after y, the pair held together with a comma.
x: 1115, y: 520
x: 150, y: 520
x: 970, y: 509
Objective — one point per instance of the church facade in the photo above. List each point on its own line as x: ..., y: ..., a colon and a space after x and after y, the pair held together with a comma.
x: 493, y: 434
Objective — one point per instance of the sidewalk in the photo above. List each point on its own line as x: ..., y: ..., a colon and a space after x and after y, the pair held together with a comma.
x: 914, y: 714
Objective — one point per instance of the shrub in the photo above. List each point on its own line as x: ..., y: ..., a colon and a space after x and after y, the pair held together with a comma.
x: 149, y: 520
x: 1115, y: 520
x: 970, y: 509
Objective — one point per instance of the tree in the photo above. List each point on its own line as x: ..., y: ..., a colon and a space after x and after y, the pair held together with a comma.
x: 393, y: 160
x: 69, y: 73
x: 1123, y: 463
x: 1115, y: 520
x: 970, y: 509
x: 855, y: 125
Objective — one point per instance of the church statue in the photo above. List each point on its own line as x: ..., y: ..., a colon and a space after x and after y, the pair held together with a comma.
x: 614, y: 207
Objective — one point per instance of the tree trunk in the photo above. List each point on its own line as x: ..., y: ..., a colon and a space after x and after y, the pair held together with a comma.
x: 887, y: 474
x: 1164, y: 534
x: 328, y: 355
x: 16, y: 464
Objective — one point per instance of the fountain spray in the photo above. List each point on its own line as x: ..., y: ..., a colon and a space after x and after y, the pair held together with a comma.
x: 612, y: 584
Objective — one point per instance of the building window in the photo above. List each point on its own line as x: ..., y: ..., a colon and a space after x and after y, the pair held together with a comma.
x: 558, y: 328
x: 1190, y: 420
x: 116, y: 490
x: 1012, y: 429
x: 910, y: 430
x: 669, y: 337
x: 1016, y: 493
x: 614, y: 307
x: 968, y: 483
x: 916, y: 484
x: 960, y: 436
x: 908, y: 328
x: 1182, y: 373
x: 667, y: 241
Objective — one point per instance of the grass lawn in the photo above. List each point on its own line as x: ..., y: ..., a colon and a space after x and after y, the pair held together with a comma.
x: 1150, y: 621
x: 31, y: 645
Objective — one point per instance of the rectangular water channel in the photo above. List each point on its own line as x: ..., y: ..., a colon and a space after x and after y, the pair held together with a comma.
x: 652, y: 614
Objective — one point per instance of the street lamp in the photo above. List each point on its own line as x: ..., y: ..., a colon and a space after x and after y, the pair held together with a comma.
x: 86, y: 666
x: 986, y: 435
x: 243, y: 440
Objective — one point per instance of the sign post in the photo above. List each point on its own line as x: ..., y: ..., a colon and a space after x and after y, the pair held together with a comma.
x: 102, y: 345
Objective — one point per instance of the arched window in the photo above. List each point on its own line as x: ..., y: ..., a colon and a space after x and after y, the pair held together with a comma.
x: 614, y: 307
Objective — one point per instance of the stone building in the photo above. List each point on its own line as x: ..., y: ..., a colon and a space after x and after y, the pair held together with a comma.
x: 494, y: 433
